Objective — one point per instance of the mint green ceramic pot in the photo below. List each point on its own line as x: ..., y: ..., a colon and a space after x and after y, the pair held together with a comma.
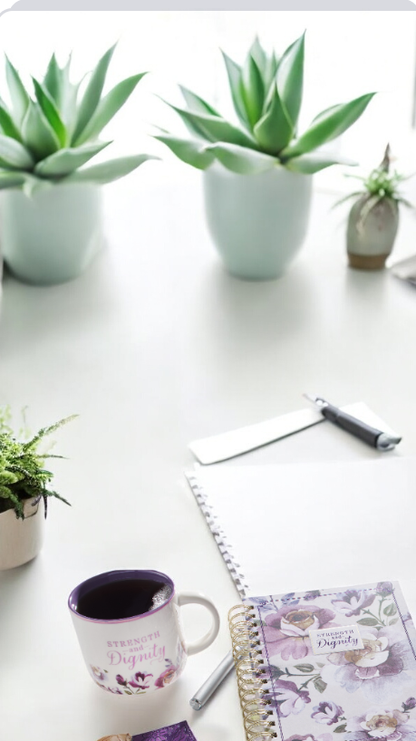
x: 51, y: 236
x: 257, y: 222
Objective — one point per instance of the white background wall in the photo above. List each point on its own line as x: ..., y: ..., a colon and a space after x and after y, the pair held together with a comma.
x: 347, y: 54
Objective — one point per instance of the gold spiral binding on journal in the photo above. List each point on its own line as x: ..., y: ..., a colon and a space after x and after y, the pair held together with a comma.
x: 257, y: 715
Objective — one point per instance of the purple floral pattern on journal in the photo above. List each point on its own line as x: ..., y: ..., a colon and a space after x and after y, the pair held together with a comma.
x: 364, y: 692
x: 352, y: 601
x: 327, y: 713
x: 177, y: 732
x: 288, y: 699
x: 379, y: 723
x: 376, y: 669
x: 286, y: 630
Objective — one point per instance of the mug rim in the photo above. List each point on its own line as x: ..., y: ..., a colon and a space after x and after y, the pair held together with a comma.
x: 106, y: 577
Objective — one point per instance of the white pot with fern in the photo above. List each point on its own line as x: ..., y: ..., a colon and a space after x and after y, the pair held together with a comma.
x: 258, y: 171
x: 50, y: 223
x: 24, y: 492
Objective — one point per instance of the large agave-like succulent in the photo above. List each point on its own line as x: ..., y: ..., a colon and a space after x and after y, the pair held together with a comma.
x: 267, y: 96
x: 45, y: 137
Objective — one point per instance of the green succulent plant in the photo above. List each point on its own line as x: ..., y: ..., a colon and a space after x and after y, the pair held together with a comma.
x: 22, y: 467
x: 266, y: 93
x: 49, y: 135
x: 381, y: 186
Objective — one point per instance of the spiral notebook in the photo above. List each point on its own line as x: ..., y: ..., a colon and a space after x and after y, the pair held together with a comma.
x: 326, y: 665
x: 285, y: 527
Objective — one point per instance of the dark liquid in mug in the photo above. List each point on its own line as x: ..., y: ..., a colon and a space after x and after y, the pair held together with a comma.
x: 123, y: 599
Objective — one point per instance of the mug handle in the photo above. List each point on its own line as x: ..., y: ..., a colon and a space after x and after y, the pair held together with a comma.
x: 188, y: 598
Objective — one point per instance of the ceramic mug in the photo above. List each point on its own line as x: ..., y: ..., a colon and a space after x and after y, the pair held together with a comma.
x: 132, y: 654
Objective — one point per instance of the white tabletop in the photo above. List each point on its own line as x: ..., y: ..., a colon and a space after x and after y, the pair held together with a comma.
x: 156, y: 346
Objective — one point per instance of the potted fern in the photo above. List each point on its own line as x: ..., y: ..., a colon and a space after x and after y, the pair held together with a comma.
x: 51, y: 203
x: 373, y: 220
x: 24, y: 492
x: 258, y: 172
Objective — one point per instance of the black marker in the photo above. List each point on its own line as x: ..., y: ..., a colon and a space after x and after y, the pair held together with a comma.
x: 377, y: 438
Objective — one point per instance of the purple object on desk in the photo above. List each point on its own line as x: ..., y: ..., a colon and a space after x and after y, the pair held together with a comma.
x: 177, y: 732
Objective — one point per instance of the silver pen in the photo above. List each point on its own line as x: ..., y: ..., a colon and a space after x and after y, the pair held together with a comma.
x: 377, y: 438
x: 208, y: 688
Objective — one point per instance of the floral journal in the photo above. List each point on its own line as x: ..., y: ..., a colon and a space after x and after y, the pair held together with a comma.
x: 330, y: 665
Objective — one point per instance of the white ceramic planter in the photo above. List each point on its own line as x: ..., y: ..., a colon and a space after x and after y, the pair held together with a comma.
x: 21, y: 540
x: 258, y: 222
x: 52, y: 236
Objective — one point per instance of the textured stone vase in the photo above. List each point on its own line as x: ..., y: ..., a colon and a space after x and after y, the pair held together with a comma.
x: 371, y: 234
x: 52, y: 236
x: 258, y: 222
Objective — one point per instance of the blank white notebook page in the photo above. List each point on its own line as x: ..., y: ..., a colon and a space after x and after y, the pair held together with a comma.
x: 283, y: 528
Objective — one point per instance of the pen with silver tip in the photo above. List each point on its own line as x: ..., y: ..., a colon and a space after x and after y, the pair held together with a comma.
x: 208, y: 688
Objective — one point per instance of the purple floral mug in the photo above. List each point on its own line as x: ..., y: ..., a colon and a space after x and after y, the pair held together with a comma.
x: 129, y: 630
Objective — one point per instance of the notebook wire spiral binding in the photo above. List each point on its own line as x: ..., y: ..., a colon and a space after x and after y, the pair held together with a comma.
x: 251, y: 674
x: 224, y: 546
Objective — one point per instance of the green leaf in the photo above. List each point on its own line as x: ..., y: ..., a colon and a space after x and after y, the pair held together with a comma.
x: 252, y: 91
x: 67, y: 94
x: 324, y: 113
x: 106, y: 172
x: 191, y: 152
x: 44, y: 431
x: 320, y: 685
x: 394, y: 621
x: 37, y: 133
x: 19, y: 96
x: 270, y: 73
x: 67, y: 160
x: 92, y: 94
x: 7, y: 124
x: 241, y: 159
x: 33, y: 184
x: 108, y: 107
x: 11, y: 179
x: 259, y: 55
x: 15, y: 155
x: 290, y: 78
x: 367, y: 621
x: 330, y: 125
x: 390, y: 610
x: 235, y: 81
x: 50, y: 112
x: 197, y: 104
x: 306, y: 668
x: 51, y: 81
x: 341, y: 729
x: 274, y: 131
x: 308, y: 164
x: 214, y: 128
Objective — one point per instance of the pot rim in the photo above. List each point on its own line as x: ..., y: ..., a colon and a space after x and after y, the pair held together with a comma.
x: 31, y: 502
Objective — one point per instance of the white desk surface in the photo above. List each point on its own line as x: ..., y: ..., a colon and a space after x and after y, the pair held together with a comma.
x: 156, y: 346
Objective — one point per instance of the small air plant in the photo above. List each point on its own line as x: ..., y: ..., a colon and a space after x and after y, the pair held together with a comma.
x: 266, y: 92
x: 49, y: 133
x: 22, y: 467
x: 374, y: 218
